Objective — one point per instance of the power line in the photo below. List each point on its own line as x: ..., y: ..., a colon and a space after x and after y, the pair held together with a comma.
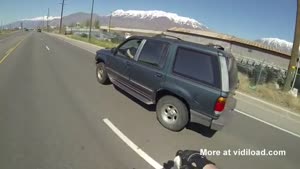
x: 61, y: 15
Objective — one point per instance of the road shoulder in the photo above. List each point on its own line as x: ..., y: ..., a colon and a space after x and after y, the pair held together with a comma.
x: 267, y: 113
x: 83, y: 45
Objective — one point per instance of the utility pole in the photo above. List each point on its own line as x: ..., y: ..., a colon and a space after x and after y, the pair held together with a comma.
x: 295, y: 52
x: 61, y: 15
x: 296, y: 73
x: 91, y: 21
x: 43, y: 23
x: 109, y: 24
x: 48, y: 20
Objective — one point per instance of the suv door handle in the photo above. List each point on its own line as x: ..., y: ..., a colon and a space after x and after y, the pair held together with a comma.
x: 128, y: 63
x: 158, y: 75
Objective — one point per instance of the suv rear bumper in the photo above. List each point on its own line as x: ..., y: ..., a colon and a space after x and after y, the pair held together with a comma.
x: 214, y: 124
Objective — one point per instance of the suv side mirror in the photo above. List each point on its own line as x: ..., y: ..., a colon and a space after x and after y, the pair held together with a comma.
x: 113, y: 50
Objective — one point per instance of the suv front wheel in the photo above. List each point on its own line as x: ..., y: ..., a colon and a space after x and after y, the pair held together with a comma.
x: 172, y: 113
x: 101, y: 73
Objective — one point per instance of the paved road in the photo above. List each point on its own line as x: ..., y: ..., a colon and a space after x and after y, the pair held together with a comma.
x: 51, y: 112
x: 8, y: 40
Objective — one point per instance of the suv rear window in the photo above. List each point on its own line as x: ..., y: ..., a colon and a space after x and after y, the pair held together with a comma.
x: 154, y: 53
x: 197, y: 66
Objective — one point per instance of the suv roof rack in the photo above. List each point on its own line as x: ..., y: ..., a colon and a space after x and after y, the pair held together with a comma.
x: 215, y: 46
x: 164, y: 35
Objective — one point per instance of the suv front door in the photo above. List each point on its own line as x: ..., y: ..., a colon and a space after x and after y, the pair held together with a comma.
x: 119, y: 64
x: 146, y: 75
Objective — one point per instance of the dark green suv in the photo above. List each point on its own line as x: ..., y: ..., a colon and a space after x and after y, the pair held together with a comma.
x: 188, y: 82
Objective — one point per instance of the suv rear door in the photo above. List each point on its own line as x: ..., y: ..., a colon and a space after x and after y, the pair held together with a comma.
x: 146, y: 75
x: 195, y: 76
x: 232, y: 81
x: 232, y: 73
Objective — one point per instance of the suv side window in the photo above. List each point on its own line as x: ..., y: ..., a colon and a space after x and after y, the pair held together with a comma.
x: 129, y: 48
x: 197, y: 66
x: 154, y: 53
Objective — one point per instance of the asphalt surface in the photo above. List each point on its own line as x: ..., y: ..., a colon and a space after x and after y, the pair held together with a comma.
x: 8, y: 40
x: 52, y: 111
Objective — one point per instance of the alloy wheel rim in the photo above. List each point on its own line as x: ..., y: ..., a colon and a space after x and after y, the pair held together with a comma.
x: 100, y: 73
x: 169, y: 113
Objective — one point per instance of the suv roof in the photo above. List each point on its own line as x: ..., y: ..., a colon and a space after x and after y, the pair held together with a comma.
x: 185, y: 43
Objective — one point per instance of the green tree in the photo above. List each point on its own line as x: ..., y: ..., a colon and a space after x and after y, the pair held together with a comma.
x: 87, y: 23
x: 97, y: 24
x: 72, y: 24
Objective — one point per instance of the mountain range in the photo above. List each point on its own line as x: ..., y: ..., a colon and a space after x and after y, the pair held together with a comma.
x: 150, y: 20
x: 278, y: 44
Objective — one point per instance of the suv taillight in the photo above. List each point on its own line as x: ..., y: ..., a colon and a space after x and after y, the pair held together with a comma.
x: 220, y: 105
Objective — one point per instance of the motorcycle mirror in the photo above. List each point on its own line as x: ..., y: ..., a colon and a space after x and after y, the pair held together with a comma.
x: 177, y: 162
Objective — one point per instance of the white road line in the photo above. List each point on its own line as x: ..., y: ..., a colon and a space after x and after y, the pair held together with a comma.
x: 270, y: 104
x: 47, y: 47
x: 272, y: 125
x: 64, y: 39
x: 133, y: 146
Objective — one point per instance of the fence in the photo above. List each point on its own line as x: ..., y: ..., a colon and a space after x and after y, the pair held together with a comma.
x: 96, y: 33
x: 259, y: 72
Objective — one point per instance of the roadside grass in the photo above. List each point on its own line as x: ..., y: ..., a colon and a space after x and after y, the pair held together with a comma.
x: 102, y: 43
x: 270, y: 93
x: 3, y: 32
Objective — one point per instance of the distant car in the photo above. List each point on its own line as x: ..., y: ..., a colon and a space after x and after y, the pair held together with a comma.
x: 188, y: 82
x: 39, y: 30
x: 26, y: 29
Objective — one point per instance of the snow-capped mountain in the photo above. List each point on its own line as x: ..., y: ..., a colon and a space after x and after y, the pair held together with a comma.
x: 150, y: 20
x: 156, y: 15
x: 278, y: 44
x: 33, y: 22
x: 42, y: 18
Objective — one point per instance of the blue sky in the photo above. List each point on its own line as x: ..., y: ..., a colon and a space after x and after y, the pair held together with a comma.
x: 250, y: 19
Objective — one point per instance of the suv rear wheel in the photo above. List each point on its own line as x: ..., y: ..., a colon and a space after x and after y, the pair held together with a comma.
x: 101, y: 73
x: 172, y: 113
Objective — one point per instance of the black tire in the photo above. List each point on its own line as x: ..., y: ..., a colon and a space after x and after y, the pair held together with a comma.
x: 164, y: 109
x: 101, y: 73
